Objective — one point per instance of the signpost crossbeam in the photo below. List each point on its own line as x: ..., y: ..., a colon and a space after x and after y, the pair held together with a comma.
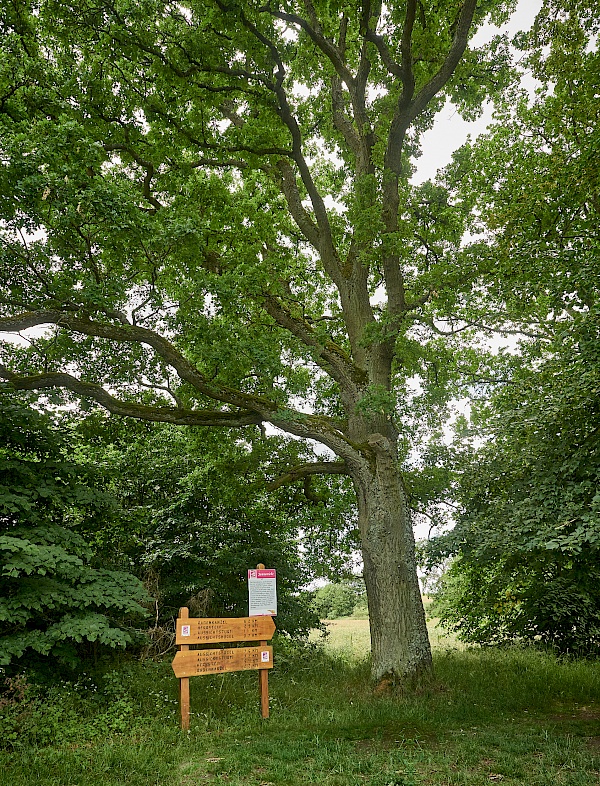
x: 197, y: 662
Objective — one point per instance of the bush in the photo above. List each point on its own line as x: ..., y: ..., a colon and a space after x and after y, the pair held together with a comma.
x: 53, y: 601
x: 65, y: 711
x: 553, y: 602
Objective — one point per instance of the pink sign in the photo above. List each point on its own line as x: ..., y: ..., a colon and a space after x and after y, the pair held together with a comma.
x: 262, y: 592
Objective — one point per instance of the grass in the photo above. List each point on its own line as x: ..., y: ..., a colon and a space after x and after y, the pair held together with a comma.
x: 510, y: 717
x: 352, y: 636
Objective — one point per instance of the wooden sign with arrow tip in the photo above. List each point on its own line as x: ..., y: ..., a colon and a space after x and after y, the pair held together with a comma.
x: 209, y: 631
x: 196, y: 662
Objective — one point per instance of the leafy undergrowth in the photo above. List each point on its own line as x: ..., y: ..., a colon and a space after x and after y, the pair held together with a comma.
x: 510, y: 717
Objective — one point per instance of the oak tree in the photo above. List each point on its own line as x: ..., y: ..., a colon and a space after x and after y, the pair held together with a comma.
x: 208, y: 204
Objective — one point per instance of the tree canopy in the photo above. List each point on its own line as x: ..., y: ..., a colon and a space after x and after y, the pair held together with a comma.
x: 209, y: 203
x: 196, y: 514
x: 526, y: 543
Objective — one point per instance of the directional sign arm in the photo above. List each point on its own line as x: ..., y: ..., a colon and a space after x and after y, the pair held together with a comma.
x: 195, y: 662
x: 202, y: 630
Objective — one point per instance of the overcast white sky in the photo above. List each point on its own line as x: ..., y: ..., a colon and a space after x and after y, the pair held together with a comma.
x: 450, y: 130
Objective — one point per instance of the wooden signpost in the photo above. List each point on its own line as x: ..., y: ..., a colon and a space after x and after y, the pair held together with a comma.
x: 191, y: 663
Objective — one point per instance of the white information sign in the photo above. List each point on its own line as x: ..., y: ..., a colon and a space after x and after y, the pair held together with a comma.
x: 262, y: 593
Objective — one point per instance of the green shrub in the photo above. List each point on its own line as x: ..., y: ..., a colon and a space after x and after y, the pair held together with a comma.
x: 64, y: 711
x: 53, y: 600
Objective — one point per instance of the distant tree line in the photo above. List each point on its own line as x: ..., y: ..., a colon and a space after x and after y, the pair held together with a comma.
x: 340, y: 599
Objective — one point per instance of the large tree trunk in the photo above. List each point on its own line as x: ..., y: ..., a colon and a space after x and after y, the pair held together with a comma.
x: 400, y: 647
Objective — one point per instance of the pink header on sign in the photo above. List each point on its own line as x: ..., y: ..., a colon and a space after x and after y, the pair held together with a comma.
x: 262, y: 574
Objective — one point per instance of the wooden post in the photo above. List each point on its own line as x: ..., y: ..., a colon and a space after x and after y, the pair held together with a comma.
x: 263, y: 684
x: 184, y: 682
x: 263, y: 676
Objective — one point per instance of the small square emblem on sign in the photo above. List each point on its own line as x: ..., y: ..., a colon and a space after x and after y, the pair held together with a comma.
x: 185, y: 630
x: 264, y: 656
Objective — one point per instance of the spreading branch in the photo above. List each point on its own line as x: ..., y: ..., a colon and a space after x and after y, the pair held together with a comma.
x: 305, y: 470
x: 249, y: 409
x: 176, y: 415
x: 133, y: 334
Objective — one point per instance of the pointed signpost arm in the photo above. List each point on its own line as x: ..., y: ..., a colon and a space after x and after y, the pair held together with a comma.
x: 191, y: 661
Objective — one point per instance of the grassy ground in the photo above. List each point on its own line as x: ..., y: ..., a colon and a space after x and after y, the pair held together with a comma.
x: 352, y: 636
x: 515, y: 717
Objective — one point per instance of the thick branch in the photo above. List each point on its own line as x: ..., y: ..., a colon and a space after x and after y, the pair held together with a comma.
x: 328, y: 48
x: 252, y: 409
x: 133, y: 334
x: 289, y: 189
x: 388, y: 61
x: 305, y: 470
x: 341, y: 120
x: 176, y: 415
x: 408, y: 108
x: 326, y: 246
x: 358, y: 91
x: 408, y: 77
x: 459, y: 44
x: 331, y: 357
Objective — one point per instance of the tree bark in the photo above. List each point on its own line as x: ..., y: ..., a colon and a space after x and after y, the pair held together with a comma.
x: 400, y: 649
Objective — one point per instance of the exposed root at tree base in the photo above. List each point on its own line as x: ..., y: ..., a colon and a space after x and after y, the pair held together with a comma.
x: 421, y: 682
x: 384, y: 686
